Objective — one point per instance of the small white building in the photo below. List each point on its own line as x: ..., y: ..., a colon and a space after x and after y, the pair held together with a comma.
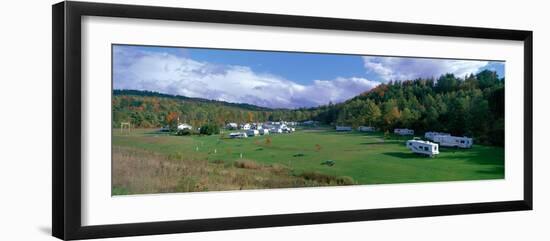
x: 245, y: 126
x: 423, y: 147
x: 343, y: 128
x: 366, y: 128
x: 232, y: 126
x: 184, y: 126
x: 403, y: 132
x: 238, y: 135
x: 454, y: 141
x: 431, y: 134
x: 264, y: 132
x: 252, y: 132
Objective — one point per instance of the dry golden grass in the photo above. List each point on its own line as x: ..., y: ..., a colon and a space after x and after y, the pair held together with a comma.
x: 140, y: 172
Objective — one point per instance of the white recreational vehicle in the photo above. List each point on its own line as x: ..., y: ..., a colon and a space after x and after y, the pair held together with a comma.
x: 366, y: 128
x: 423, y: 147
x: 343, y: 128
x: 275, y: 130
x: 264, y: 132
x: 403, y: 132
x: 232, y: 126
x: 431, y: 134
x: 238, y: 135
x: 245, y: 126
x: 183, y: 126
x: 454, y: 141
x: 252, y: 132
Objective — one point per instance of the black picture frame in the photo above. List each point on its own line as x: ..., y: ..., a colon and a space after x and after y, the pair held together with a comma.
x: 66, y: 75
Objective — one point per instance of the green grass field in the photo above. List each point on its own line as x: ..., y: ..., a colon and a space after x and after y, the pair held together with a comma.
x: 367, y: 158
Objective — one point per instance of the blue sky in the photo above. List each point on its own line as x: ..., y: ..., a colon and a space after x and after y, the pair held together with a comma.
x: 271, y: 79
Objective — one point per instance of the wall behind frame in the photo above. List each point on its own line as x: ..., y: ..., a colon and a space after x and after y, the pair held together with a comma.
x: 25, y: 177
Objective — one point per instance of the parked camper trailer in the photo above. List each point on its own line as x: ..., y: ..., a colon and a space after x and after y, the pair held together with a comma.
x: 343, y: 128
x: 403, y: 132
x: 252, y: 132
x: 184, y: 126
x: 287, y: 129
x: 454, y: 141
x: 238, y: 135
x: 431, y: 134
x: 423, y: 147
x: 275, y: 130
x: 264, y: 132
x: 366, y: 128
x: 231, y: 126
x: 245, y: 126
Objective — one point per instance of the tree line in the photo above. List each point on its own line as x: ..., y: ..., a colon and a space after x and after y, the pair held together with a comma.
x: 472, y: 106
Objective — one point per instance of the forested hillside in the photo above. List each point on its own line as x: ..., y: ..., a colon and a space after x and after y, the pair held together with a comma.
x: 471, y: 106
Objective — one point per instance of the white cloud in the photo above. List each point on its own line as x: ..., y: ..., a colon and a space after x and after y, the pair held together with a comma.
x: 398, y: 68
x: 171, y: 74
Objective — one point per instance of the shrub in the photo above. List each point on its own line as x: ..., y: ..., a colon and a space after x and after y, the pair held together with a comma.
x: 345, y: 180
x: 209, y: 129
x: 184, y: 132
x: 327, y: 179
x: 247, y: 164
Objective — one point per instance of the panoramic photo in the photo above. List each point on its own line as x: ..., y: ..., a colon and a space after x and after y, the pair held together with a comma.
x: 199, y: 119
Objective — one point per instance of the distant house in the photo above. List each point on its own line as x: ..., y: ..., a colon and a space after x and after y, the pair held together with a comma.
x: 232, y: 126
x: 366, y: 128
x: 343, y: 128
x: 403, y: 132
x: 184, y: 126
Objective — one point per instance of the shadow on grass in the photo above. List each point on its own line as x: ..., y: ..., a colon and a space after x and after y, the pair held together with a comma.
x: 499, y: 170
x: 385, y: 142
x: 404, y: 155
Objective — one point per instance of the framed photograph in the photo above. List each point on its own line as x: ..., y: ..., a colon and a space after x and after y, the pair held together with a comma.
x: 170, y: 120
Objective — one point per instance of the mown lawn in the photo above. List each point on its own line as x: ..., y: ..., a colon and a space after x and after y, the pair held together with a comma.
x: 367, y: 158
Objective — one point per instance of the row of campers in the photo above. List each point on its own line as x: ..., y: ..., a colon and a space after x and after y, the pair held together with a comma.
x: 430, y: 147
x: 445, y: 139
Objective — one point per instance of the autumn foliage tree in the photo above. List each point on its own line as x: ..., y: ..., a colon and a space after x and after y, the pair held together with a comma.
x: 171, y: 120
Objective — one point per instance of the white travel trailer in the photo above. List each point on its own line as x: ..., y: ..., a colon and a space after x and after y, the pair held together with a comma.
x: 276, y: 130
x: 403, y: 132
x: 264, y: 132
x: 184, y: 127
x: 431, y: 134
x: 343, y: 128
x: 287, y: 129
x: 366, y: 128
x: 252, y: 132
x: 454, y: 141
x: 245, y: 126
x: 231, y: 126
x: 238, y: 135
x: 423, y: 147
